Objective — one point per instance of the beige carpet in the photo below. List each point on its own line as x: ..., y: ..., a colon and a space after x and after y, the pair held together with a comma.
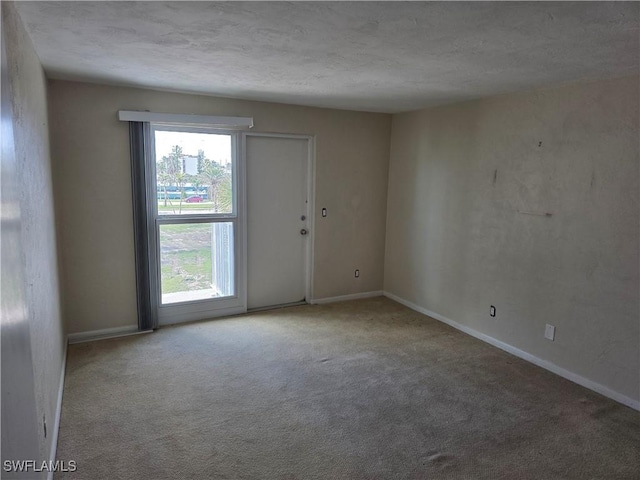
x: 356, y: 390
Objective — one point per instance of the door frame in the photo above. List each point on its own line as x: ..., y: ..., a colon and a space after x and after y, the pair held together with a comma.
x: 311, y: 194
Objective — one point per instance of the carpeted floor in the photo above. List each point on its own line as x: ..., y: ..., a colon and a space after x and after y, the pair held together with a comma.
x: 355, y: 390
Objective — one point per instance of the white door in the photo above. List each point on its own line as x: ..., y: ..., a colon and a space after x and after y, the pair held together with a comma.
x: 277, y: 219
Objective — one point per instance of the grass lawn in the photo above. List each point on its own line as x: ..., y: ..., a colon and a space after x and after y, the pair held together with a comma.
x: 184, y: 271
x: 180, y: 235
x: 173, y: 207
x: 185, y: 253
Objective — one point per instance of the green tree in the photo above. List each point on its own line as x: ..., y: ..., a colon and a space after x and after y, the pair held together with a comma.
x: 195, y: 182
x: 225, y: 191
x: 181, y: 180
x: 169, y: 170
x: 201, y: 160
x: 174, y: 160
x: 163, y: 178
x: 217, y: 178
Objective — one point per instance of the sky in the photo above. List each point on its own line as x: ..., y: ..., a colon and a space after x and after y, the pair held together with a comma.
x: 216, y: 147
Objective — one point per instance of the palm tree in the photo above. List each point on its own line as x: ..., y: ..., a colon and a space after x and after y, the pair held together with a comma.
x: 201, y: 160
x: 173, y: 161
x: 168, y: 170
x: 163, y: 178
x: 181, y: 179
x: 195, y: 182
x: 215, y: 177
x: 225, y: 191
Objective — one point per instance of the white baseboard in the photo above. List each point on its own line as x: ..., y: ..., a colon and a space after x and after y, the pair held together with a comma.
x: 342, y: 298
x: 56, y: 423
x: 275, y: 307
x: 102, y: 334
x: 585, y: 382
x: 177, y: 318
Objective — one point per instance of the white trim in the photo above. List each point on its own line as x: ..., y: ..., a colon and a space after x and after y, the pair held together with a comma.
x: 311, y: 216
x: 92, y: 335
x: 199, y: 315
x: 343, y: 298
x: 585, y: 382
x: 242, y: 183
x: 56, y: 424
x: 275, y: 307
x: 173, y: 118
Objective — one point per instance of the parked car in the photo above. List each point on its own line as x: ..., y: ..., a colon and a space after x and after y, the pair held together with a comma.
x: 193, y: 199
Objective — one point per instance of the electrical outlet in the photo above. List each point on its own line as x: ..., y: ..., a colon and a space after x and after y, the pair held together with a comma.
x: 324, y: 212
x: 492, y: 311
x: 356, y: 274
x: 550, y: 332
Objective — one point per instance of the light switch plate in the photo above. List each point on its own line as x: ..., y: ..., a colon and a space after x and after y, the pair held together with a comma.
x: 550, y: 332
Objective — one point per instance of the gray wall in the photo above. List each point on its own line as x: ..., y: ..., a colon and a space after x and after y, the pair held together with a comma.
x: 90, y: 149
x: 36, y: 258
x: 456, y: 243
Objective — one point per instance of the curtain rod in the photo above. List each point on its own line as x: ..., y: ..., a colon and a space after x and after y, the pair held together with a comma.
x: 174, y: 118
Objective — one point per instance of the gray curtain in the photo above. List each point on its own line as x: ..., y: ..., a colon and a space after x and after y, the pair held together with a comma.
x: 143, y: 228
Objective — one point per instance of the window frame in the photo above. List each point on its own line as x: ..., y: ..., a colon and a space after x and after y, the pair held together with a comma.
x: 177, y: 312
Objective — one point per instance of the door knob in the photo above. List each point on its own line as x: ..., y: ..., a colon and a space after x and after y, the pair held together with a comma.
x: 303, y: 231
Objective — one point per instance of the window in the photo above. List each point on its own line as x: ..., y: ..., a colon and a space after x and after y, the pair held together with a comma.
x: 196, y: 213
x: 188, y: 205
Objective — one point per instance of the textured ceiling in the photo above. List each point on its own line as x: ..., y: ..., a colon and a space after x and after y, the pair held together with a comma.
x: 373, y: 56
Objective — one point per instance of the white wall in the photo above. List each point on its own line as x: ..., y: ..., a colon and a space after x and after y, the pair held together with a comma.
x: 456, y: 243
x: 38, y: 254
x: 90, y: 149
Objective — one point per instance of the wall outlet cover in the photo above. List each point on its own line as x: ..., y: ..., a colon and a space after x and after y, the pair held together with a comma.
x: 550, y: 332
